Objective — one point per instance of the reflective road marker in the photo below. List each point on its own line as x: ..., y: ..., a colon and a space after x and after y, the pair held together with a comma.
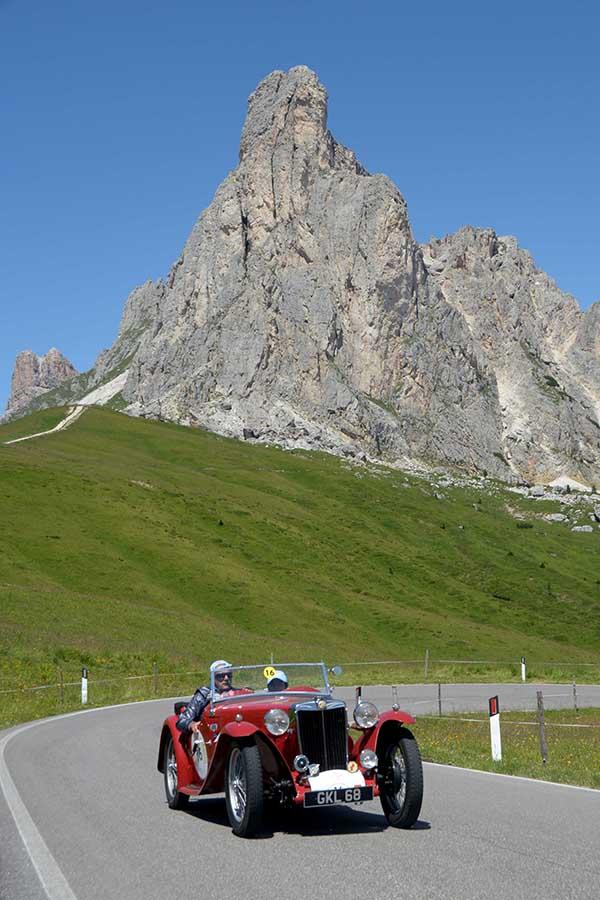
x: 84, y: 686
x: 495, y: 728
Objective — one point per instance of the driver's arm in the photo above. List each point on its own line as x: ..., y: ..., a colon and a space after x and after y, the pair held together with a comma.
x: 194, y: 709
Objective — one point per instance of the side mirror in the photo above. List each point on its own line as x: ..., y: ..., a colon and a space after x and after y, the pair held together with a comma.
x: 336, y: 670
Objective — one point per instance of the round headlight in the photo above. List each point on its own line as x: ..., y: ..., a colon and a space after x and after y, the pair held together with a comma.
x: 368, y: 759
x: 301, y: 763
x: 366, y: 714
x: 277, y: 721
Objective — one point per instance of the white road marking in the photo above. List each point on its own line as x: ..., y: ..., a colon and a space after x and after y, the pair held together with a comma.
x: 54, y: 883
x: 572, y: 787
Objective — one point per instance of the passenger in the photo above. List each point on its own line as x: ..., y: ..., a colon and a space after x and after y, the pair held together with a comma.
x: 189, y: 718
x: 278, y: 681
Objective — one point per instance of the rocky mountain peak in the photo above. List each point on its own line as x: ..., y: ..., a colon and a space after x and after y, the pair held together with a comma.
x: 288, y: 106
x: 33, y: 375
x: 302, y: 312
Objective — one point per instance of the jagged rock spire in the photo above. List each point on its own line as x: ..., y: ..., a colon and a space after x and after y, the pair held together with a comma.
x: 34, y: 375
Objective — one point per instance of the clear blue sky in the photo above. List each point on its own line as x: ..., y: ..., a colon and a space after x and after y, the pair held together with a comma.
x: 119, y: 120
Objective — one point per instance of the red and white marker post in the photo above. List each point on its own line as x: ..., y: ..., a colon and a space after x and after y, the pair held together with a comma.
x: 84, y: 686
x: 495, y: 728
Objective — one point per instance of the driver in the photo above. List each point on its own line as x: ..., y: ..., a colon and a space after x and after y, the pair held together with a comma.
x: 188, y: 719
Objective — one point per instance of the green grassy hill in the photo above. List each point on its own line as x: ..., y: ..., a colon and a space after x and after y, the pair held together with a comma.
x: 124, y: 541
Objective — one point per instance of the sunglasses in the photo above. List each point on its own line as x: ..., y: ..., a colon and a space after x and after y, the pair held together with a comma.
x: 222, y: 675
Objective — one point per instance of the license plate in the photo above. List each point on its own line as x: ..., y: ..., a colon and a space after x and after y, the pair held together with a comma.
x: 338, y: 795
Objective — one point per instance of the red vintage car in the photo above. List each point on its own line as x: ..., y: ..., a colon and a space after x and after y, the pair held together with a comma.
x: 291, y: 745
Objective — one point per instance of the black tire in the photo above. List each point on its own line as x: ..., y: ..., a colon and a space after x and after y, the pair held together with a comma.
x: 244, y: 796
x: 401, y: 780
x: 175, y: 798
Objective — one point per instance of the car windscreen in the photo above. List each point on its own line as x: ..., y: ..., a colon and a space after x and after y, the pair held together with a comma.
x: 270, y: 677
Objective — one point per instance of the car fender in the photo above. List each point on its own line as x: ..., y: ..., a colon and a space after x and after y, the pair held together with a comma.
x: 238, y: 730
x: 272, y: 759
x: 186, y: 774
x: 388, y: 726
x: 164, y: 735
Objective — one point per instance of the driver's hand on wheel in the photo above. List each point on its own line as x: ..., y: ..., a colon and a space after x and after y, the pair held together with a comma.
x: 195, y: 726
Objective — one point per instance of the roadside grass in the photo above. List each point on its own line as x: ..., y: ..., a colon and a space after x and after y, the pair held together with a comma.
x: 125, y: 542
x: 573, y: 753
x: 64, y: 696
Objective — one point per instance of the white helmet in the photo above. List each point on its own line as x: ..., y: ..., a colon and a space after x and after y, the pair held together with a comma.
x: 278, y: 680
x: 219, y: 664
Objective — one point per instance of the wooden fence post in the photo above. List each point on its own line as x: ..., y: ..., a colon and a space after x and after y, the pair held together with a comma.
x: 439, y: 699
x: 575, y: 705
x: 542, y: 724
x: 426, y: 664
x: 155, y: 678
x: 61, y: 687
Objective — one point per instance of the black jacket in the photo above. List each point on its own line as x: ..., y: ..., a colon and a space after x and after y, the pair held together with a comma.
x: 194, y: 709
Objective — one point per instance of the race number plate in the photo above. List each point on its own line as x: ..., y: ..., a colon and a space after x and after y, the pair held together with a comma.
x: 338, y: 795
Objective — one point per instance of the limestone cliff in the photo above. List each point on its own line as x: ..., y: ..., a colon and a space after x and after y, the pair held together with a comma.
x: 543, y: 350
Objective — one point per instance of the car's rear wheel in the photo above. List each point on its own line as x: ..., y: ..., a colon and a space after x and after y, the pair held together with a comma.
x: 244, y: 794
x: 175, y: 798
x: 401, y: 781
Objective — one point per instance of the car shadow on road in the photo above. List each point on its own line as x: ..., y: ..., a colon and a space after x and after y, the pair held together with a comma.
x: 209, y: 809
x: 212, y: 809
x: 303, y: 822
x: 336, y: 821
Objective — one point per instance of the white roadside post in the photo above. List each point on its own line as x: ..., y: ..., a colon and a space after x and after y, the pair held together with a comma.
x: 495, y: 729
x: 84, y: 686
x: 523, y: 669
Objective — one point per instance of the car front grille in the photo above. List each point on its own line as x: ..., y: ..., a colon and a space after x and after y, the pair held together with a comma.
x: 323, y: 737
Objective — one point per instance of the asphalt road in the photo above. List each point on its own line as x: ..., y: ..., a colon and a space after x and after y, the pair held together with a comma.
x: 90, y: 807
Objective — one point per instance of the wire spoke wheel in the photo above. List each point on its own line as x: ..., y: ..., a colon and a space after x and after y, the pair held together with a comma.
x: 244, y: 790
x: 175, y: 799
x: 236, y: 785
x: 172, y: 770
x: 401, y: 781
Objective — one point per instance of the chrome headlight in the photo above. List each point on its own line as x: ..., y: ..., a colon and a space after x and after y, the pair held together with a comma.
x: 277, y: 721
x: 366, y: 714
x: 301, y: 763
x: 368, y: 759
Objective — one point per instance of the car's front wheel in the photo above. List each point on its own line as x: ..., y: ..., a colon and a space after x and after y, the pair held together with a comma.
x: 401, y: 780
x: 175, y: 798
x: 244, y: 795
